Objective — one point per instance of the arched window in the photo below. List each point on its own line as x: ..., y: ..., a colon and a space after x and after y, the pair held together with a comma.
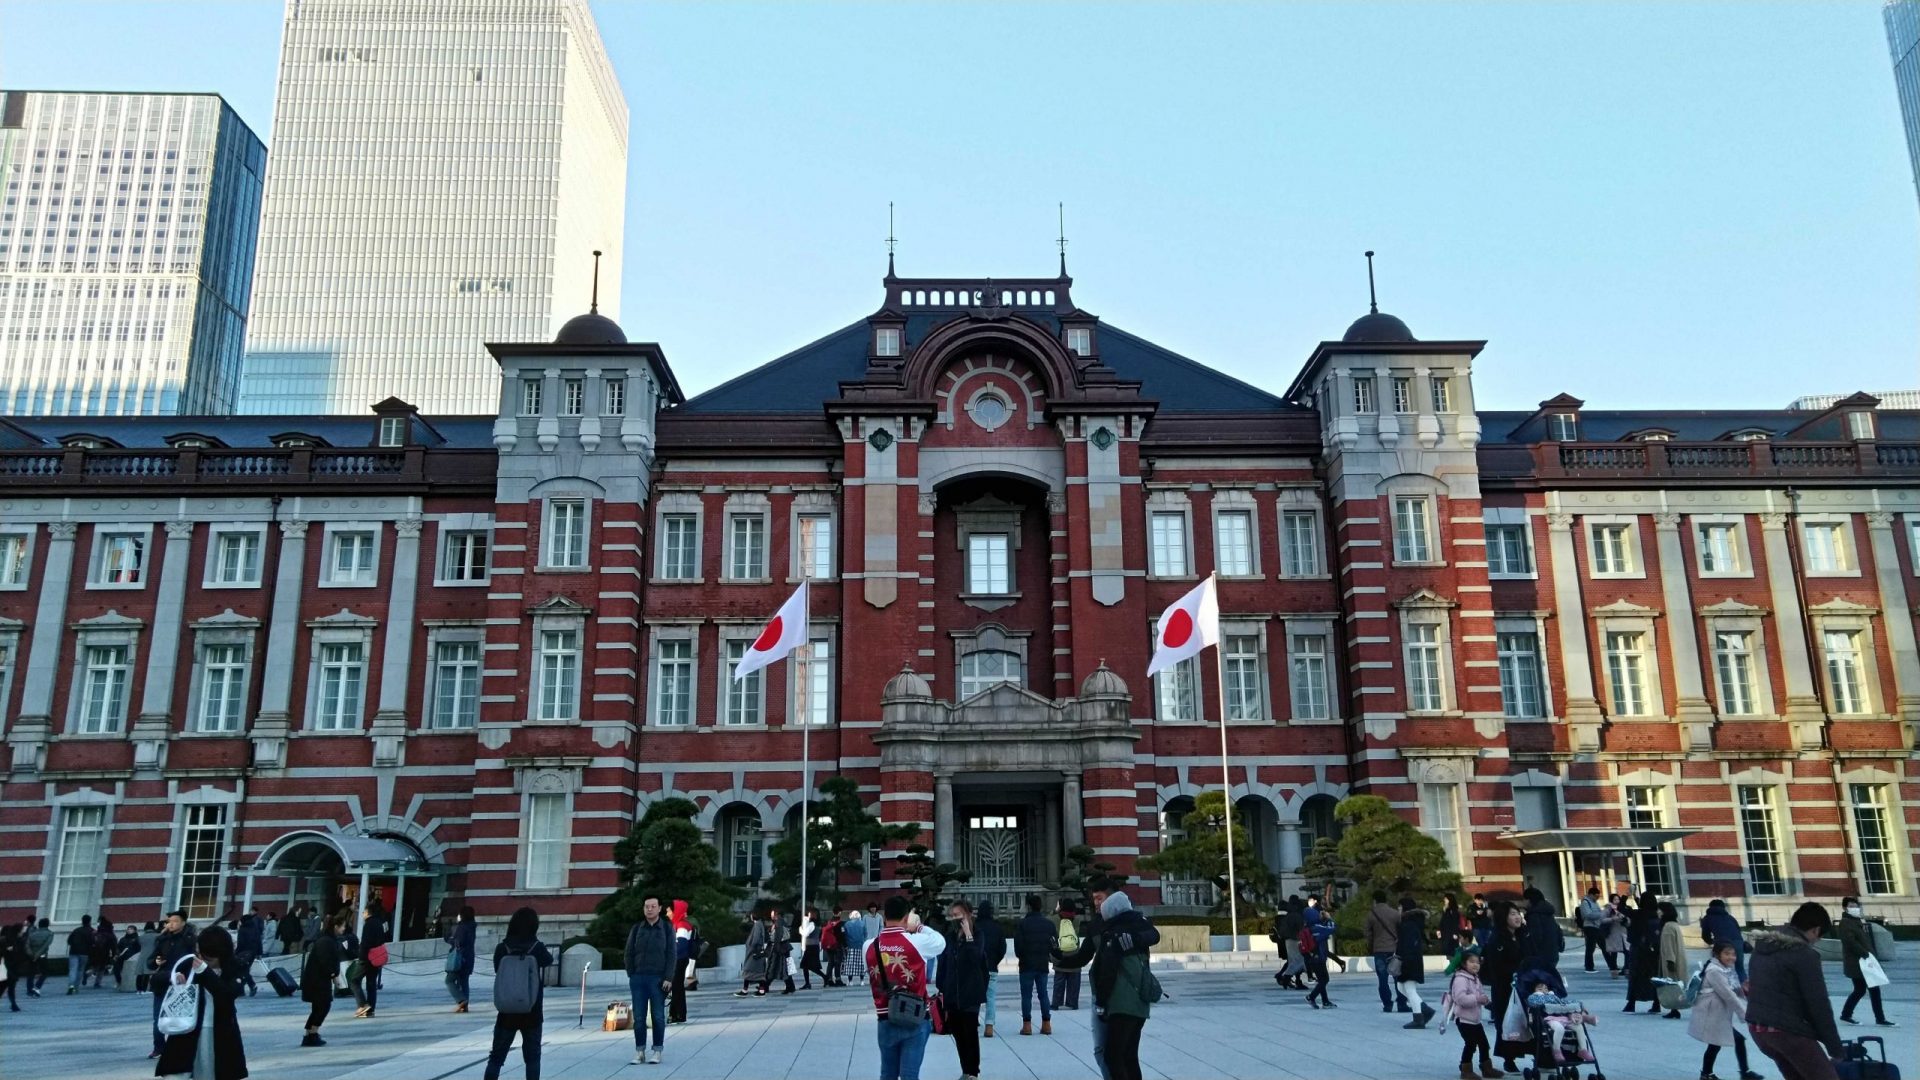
x: 741, y: 850
x: 1317, y: 820
x: 988, y: 667
x: 1173, y: 818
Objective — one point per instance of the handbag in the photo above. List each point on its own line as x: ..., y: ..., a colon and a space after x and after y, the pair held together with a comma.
x: 455, y: 961
x: 1873, y: 973
x: 180, y: 1006
x: 1394, y: 967
x: 377, y: 956
x: 905, y: 1008
x: 619, y: 1017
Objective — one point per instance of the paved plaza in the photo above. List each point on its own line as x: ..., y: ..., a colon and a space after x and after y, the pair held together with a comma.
x: 1212, y: 1025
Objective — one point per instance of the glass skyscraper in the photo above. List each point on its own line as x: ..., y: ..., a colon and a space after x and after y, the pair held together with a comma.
x: 1903, y: 39
x: 126, y: 252
x: 442, y: 172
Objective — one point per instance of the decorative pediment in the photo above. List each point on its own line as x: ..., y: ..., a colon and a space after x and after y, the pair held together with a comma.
x: 560, y: 607
x: 1624, y: 609
x: 11, y: 626
x: 1730, y: 607
x: 1005, y: 696
x: 1842, y: 606
x: 1425, y: 598
x: 342, y: 620
x: 228, y: 620
x: 112, y: 620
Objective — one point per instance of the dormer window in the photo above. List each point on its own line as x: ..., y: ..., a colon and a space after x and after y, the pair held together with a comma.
x: 1653, y: 436
x: 1080, y: 341
x: 393, y: 431
x: 886, y: 341
x: 1563, y: 427
x: 190, y: 442
x: 294, y: 440
x: 1754, y: 435
x: 84, y: 442
x: 1860, y: 425
x: 530, y: 397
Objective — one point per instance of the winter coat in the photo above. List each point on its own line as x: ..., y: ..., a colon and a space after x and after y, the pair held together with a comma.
x: 1718, y: 1009
x: 1643, y: 962
x: 1856, y: 943
x: 80, y: 941
x: 961, y: 974
x: 1466, y: 994
x: 322, y: 967
x: 1383, y: 929
x: 1120, y: 971
x: 1412, y: 947
x: 1673, y: 953
x: 854, y: 934
x: 39, y: 940
x: 374, y: 932
x: 218, y: 991
x: 167, y: 952
x: 249, y: 942
x: 1787, y: 990
x: 650, y: 949
x: 1591, y: 914
x: 1544, y: 939
x: 292, y: 932
x: 1127, y: 997
x: 1033, y: 940
x: 1616, y: 924
x: 1104, y: 950
x: 1720, y: 925
x: 993, y: 940
x: 759, y: 963
x: 461, y: 937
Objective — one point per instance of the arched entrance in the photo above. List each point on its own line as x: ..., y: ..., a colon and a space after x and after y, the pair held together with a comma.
x: 338, y: 870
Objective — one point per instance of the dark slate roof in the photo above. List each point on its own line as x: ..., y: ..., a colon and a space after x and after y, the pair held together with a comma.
x: 804, y: 379
x: 1695, y: 425
x: 144, y: 432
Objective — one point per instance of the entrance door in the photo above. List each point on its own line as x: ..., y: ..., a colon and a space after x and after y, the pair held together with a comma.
x: 998, y: 850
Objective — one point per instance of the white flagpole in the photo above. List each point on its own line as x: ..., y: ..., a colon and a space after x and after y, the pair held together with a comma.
x: 1226, y: 783
x: 802, y: 676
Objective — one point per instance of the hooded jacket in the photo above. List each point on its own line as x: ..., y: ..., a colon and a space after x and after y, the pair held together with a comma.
x: 1124, y: 935
x: 1787, y: 991
x: 1544, y: 939
x: 1033, y: 940
x: 1856, y: 942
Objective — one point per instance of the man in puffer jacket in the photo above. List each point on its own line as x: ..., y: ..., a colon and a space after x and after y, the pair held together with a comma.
x: 1787, y: 1006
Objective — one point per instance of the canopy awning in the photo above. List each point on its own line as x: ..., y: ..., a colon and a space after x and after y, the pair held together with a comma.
x: 310, y: 851
x: 1592, y: 841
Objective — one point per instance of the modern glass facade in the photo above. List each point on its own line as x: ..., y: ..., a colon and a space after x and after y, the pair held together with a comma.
x: 442, y: 172
x: 1903, y: 39
x: 126, y: 252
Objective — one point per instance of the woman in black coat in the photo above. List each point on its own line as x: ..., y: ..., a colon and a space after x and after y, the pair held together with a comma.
x: 1505, y: 951
x: 317, y: 975
x: 1411, y: 951
x: 1643, y: 953
x: 213, y: 1047
x: 962, y: 978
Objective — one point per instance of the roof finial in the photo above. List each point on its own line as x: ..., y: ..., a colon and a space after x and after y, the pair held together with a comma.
x: 594, y: 307
x: 890, y: 239
x: 1063, y: 239
x: 1373, y: 302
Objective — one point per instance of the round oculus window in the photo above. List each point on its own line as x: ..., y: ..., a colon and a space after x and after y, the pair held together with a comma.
x: 989, y: 411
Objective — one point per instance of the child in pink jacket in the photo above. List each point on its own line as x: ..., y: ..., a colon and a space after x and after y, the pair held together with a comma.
x: 1465, y: 999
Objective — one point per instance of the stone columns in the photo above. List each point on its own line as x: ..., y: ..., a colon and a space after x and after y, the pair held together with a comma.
x: 1073, y: 830
x: 944, y: 850
x: 1050, y: 836
x: 1583, y: 710
x: 1904, y: 700
x: 1803, y: 710
x: 30, y: 731
x: 389, y: 729
x: 271, y: 727
x: 1683, y: 642
x: 1291, y: 855
x: 154, y: 723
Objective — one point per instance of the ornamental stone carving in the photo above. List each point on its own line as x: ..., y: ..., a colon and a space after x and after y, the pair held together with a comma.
x: 1560, y: 521
x: 1773, y: 521
x: 407, y: 527
x: 1879, y: 519
x: 1666, y: 520
x: 179, y: 530
x: 62, y: 530
x: 294, y: 528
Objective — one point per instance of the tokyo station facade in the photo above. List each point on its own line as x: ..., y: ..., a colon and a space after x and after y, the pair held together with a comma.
x: 269, y: 659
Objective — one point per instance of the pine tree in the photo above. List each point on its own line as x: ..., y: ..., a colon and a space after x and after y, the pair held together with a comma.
x: 1201, y: 855
x: 927, y: 879
x: 665, y: 855
x: 840, y: 831
x: 1078, y: 876
x: 1382, y: 850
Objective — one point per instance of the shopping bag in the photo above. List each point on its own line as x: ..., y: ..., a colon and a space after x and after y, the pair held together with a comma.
x: 180, y: 1006
x: 1513, y: 1026
x: 1872, y: 972
x: 619, y: 1017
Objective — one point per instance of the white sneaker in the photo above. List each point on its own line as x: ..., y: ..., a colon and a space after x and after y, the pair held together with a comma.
x: 639, y: 1057
x: 653, y: 1056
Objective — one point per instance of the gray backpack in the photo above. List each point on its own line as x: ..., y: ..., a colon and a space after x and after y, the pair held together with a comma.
x: 516, y: 982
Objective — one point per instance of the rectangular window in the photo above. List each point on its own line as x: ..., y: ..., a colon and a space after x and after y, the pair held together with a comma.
x: 1080, y: 341
x: 121, y: 557
x: 1846, y: 685
x: 1167, y: 551
x: 530, y: 397
x: 352, y: 558
x: 1412, y: 534
x: 566, y: 542
x: 813, y: 683
x: 1363, y: 395
x: 456, y: 685
x: 393, y: 431
x: 1563, y: 427
x: 987, y: 668
x: 1627, y: 672
x: 223, y: 687
x: 1520, y: 691
x: 1245, y: 700
x: 816, y: 546
x: 746, y: 547
x: 1233, y: 543
x: 616, y: 397
x: 463, y: 556
x: 1299, y: 543
x: 1507, y: 551
x: 1860, y: 425
x: 886, y: 341
x: 203, y: 856
x: 342, y: 674
x: 103, y: 698
x: 743, y: 696
x: 236, y: 558
x: 1826, y: 547
x: 1719, y: 548
x: 1734, y: 668
x: 1307, y: 668
x: 1440, y: 817
x: 546, y: 841
x: 1425, y: 692
x: 987, y: 569
x: 83, y: 859
x: 744, y: 844
x: 573, y: 400
x: 559, y: 675
x: 1442, y: 394
x: 1760, y: 838
x: 13, y: 560
x: 1177, y: 692
x: 1647, y: 809
x: 1402, y: 394
x: 1612, y: 549
x: 673, y: 682
x: 679, y: 547
x: 1873, y: 833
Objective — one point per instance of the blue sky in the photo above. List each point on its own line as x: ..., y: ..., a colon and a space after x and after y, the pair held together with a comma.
x: 1645, y: 205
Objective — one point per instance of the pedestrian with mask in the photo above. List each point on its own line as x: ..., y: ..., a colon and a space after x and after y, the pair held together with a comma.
x: 650, y: 954
x: 1856, y: 946
x: 1503, y: 958
x: 460, y: 958
x: 519, y: 965
x: 176, y: 942
x: 213, y: 1049
x: 994, y: 941
x: 961, y: 976
x: 1788, y: 1011
x: 1124, y: 989
x: 1139, y: 934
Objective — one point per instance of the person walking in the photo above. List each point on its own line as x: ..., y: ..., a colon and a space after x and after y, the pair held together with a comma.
x: 1719, y: 1010
x: 177, y: 941
x: 149, y: 941
x: 833, y: 947
x: 1286, y: 934
x: 1856, y: 944
x: 100, y: 958
x: 293, y: 931
x: 1673, y: 951
x: 810, y: 949
x: 961, y: 976
x: 519, y: 964
x: 1545, y: 941
x: 758, y: 966
x: 1382, y: 929
x: 248, y: 943
x: 1123, y: 982
x: 898, y: 961
x: 1411, y: 956
x: 1034, y: 939
x: 1717, y: 924
x: 213, y: 1050
x: 1503, y: 957
x: 649, y: 960
x: 127, y: 949
x: 270, y: 935
x: 686, y: 953
x: 39, y: 940
x: 1788, y: 1011
x: 1592, y: 917
x: 1454, y: 932
x: 1316, y: 948
x: 854, y: 931
x: 14, y: 959
x: 1643, y: 953
x: 79, y: 949
x: 993, y: 941
x: 1467, y: 1000
x: 1480, y: 916
x: 375, y: 932
x: 1616, y: 937
x: 323, y: 954
x: 1066, y: 938
x: 460, y: 957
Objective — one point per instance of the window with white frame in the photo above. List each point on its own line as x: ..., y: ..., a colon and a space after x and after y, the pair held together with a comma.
x: 573, y: 399
x: 13, y: 559
x: 1167, y: 543
x: 393, y: 431
x: 1647, y: 809
x: 1426, y: 689
x: 456, y: 685
x: 464, y: 556
x: 9, y: 659
x: 1611, y: 545
x: 1402, y: 394
x: 1176, y: 690
x: 546, y: 841
x: 1846, y: 671
x: 350, y: 557
x: 886, y: 341
x: 1442, y: 394
x: 1307, y: 674
x: 1735, y: 672
x: 203, y: 857
x: 989, y: 564
x: 1440, y: 818
x: 1412, y: 529
x: 565, y: 544
x: 343, y: 678
x: 679, y: 547
x: 1826, y: 547
x: 1080, y: 341
x: 530, y: 397
x: 1363, y: 395
x: 1860, y: 425
x: 1521, y: 694
x: 223, y: 686
x: 1508, y: 551
x: 558, y: 692
x: 82, y: 862
x: 985, y: 668
x: 811, y: 690
x: 672, y: 681
x: 743, y: 845
x: 1760, y: 841
x: 746, y: 546
x: 1626, y: 652
x: 235, y: 558
x: 1873, y: 838
x: 1300, y: 543
x: 1245, y: 676
x: 814, y: 540
x: 121, y: 559
x: 742, y: 701
x: 1233, y: 542
x: 104, y: 672
x: 1563, y: 427
x: 613, y: 395
x: 1721, y: 552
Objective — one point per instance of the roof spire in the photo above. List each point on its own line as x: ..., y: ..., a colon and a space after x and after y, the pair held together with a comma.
x: 593, y: 308
x: 890, y: 239
x: 1062, y: 241
x: 1373, y: 302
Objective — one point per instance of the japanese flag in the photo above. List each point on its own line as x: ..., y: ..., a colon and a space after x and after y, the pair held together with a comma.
x: 1190, y: 624
x: 787, y: 632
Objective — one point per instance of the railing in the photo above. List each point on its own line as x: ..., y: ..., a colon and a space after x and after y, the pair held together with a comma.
x: 122, y: 463
x: 361, y: 463
x: 223, y: 466
x: 30, y: 464
x: 226, y: 464
x: 1715, y: 460
x: 1194, y: 894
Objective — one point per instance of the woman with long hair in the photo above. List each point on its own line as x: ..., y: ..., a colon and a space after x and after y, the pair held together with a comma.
x: 522, y: 940
x: 1506, y: 948
x: 212, y: 1050
x: 460, y: 957
x: 1643, y: 952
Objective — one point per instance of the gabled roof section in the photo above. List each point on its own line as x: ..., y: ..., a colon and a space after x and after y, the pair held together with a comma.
x: 1696, y: 425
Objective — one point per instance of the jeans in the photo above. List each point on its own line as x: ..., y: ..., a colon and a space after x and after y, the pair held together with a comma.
x: 1100, y: 1044
x: 1066, y: 989
x: 649, y: 1002
x: 1123, y: 1047
x: 457, y: 985
x: 1862, y: 990
x: 504, y: 1027
x: 76, y: 970
x: 1799, y: 1057
x: 988, y: 1012
x: 901, y: 1051
x: 1387, y: 996
x: 1033, y: 984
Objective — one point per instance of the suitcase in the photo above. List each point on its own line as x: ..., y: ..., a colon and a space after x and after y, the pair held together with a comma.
x: 1856, y: 1063
x: 283, y: 983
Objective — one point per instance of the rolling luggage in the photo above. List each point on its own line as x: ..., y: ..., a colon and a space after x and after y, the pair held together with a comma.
x: 1857, y: 1063
x: 282, y: 981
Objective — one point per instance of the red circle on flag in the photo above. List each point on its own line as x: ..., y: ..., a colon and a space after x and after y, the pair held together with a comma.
x: 769, y: 637
x: 1178, y: 629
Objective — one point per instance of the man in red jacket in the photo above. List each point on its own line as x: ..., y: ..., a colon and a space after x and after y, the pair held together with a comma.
x: 901, y: 958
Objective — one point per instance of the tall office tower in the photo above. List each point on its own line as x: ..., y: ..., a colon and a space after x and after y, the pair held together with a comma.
x: 126, y: 252
x: 1903, y: 39
x: 442, y: 172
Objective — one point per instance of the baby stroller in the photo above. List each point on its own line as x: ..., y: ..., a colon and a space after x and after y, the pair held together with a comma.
x: 1555, y: 1028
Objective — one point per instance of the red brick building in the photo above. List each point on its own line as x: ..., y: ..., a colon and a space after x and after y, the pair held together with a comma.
x: 454, y: 657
